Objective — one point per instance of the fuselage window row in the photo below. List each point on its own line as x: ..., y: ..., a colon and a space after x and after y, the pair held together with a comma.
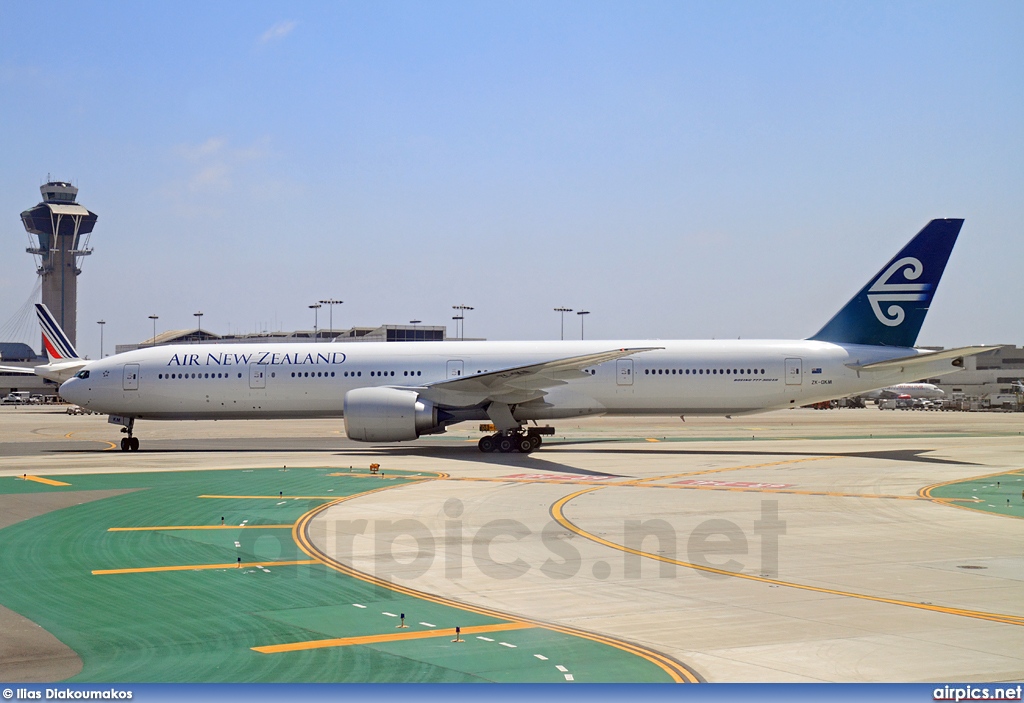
x: 702, y: 372
x: 295, y: 374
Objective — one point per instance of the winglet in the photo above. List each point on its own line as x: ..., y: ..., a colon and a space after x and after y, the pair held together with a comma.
x: 890, y: 309
x: 58, y: 346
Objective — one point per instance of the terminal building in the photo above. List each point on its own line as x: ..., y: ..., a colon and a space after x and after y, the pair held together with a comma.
x: 21, y: 354
x: 987, y: 377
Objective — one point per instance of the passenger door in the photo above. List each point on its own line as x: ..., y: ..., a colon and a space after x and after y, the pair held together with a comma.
x: 624, y: 372
x: 794, y: 375
x: 131, y: 377
x: 257, y: 376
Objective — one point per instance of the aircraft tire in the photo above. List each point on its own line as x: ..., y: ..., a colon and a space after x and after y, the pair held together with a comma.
x: 124, y: 444
x: 133, y: 444
x: 486, y: 444
x: 524, y: 445
x: 506, y: 445
x: 535, y: 441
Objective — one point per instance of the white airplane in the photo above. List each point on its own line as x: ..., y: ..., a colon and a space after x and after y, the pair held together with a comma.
x: 64, y: 361
x: 906, y: 390
x: 393, y: 392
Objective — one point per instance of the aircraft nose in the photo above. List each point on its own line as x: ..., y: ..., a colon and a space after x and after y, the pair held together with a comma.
x: 71, y: 391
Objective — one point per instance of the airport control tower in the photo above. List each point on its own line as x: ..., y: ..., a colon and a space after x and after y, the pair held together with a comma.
x: 63, y: 228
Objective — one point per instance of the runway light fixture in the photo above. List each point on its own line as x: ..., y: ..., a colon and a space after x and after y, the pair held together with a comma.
x: 562, y: 312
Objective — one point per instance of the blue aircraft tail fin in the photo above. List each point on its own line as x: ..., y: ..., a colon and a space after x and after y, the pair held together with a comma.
x: 891, y: 308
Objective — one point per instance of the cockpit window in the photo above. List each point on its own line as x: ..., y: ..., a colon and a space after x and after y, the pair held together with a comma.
x: 82, y: 374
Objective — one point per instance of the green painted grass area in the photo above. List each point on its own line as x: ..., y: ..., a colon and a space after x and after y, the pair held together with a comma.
x: 201, y: 625
x: 999, y: 494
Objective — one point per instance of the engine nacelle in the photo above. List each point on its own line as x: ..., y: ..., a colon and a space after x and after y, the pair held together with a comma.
x: 387, y: 415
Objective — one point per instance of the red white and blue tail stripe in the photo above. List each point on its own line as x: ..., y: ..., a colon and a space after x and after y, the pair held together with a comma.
x: 58, y: 346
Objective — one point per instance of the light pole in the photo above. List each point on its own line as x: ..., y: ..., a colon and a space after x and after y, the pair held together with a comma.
x: 562, y: 312
x: 101, y: 323
x: 461, y: 316
x: 154, y: 318
x: 581, y: 313
x: 315, y: 307
x: 457, y: 318
x: 199, y: 329
x: 330, y: 303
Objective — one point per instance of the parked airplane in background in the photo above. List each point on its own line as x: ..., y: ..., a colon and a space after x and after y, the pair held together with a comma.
x: 64, y: 361
x: 392, y: 392
x: 906, y: 390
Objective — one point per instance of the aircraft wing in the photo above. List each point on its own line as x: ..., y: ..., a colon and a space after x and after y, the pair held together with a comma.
x: 927, y: 359
x: 18, y: 369
x: 518, y: 384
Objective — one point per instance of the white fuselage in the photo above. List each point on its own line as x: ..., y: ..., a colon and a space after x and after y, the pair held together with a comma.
x: 305, y: 380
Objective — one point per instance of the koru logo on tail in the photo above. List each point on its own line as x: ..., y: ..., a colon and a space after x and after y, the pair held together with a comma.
x: 883, y: 291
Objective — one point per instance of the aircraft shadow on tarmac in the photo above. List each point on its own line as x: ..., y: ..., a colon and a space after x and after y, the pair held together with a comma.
x: 543, y: 460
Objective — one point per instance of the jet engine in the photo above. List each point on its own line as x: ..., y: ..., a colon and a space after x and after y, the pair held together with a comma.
x: 388, y: 415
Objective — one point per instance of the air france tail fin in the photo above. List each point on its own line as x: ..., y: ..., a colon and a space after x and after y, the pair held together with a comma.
x: 58, y: 346
x: 891, y: 308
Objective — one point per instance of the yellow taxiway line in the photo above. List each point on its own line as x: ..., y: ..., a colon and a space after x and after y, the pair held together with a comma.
x: 734, y: 468
x: 389, y: 637
x: 558, y: 514
x: 676, y: 670
x: 788, y: 491
x: 378, y: 475
x: 47, y: 481
x: 200, y: 567
x: 198, y: 527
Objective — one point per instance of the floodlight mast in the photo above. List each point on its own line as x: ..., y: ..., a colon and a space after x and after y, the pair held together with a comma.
x: 461, y: 317
x: 581, y: 313
x: 562, y: 312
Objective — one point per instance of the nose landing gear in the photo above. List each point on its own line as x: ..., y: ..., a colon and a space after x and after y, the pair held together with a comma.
x: 522, y: 441
x: 129, y: 443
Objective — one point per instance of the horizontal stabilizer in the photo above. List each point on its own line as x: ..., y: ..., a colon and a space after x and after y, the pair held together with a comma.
x: 925, y: 359
x: 18, y: 370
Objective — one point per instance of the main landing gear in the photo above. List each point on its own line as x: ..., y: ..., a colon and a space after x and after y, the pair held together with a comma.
x: 129, y: 443
x: 522, y: 441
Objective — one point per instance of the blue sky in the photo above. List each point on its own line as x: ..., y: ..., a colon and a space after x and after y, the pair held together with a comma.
x: 681, y: 170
